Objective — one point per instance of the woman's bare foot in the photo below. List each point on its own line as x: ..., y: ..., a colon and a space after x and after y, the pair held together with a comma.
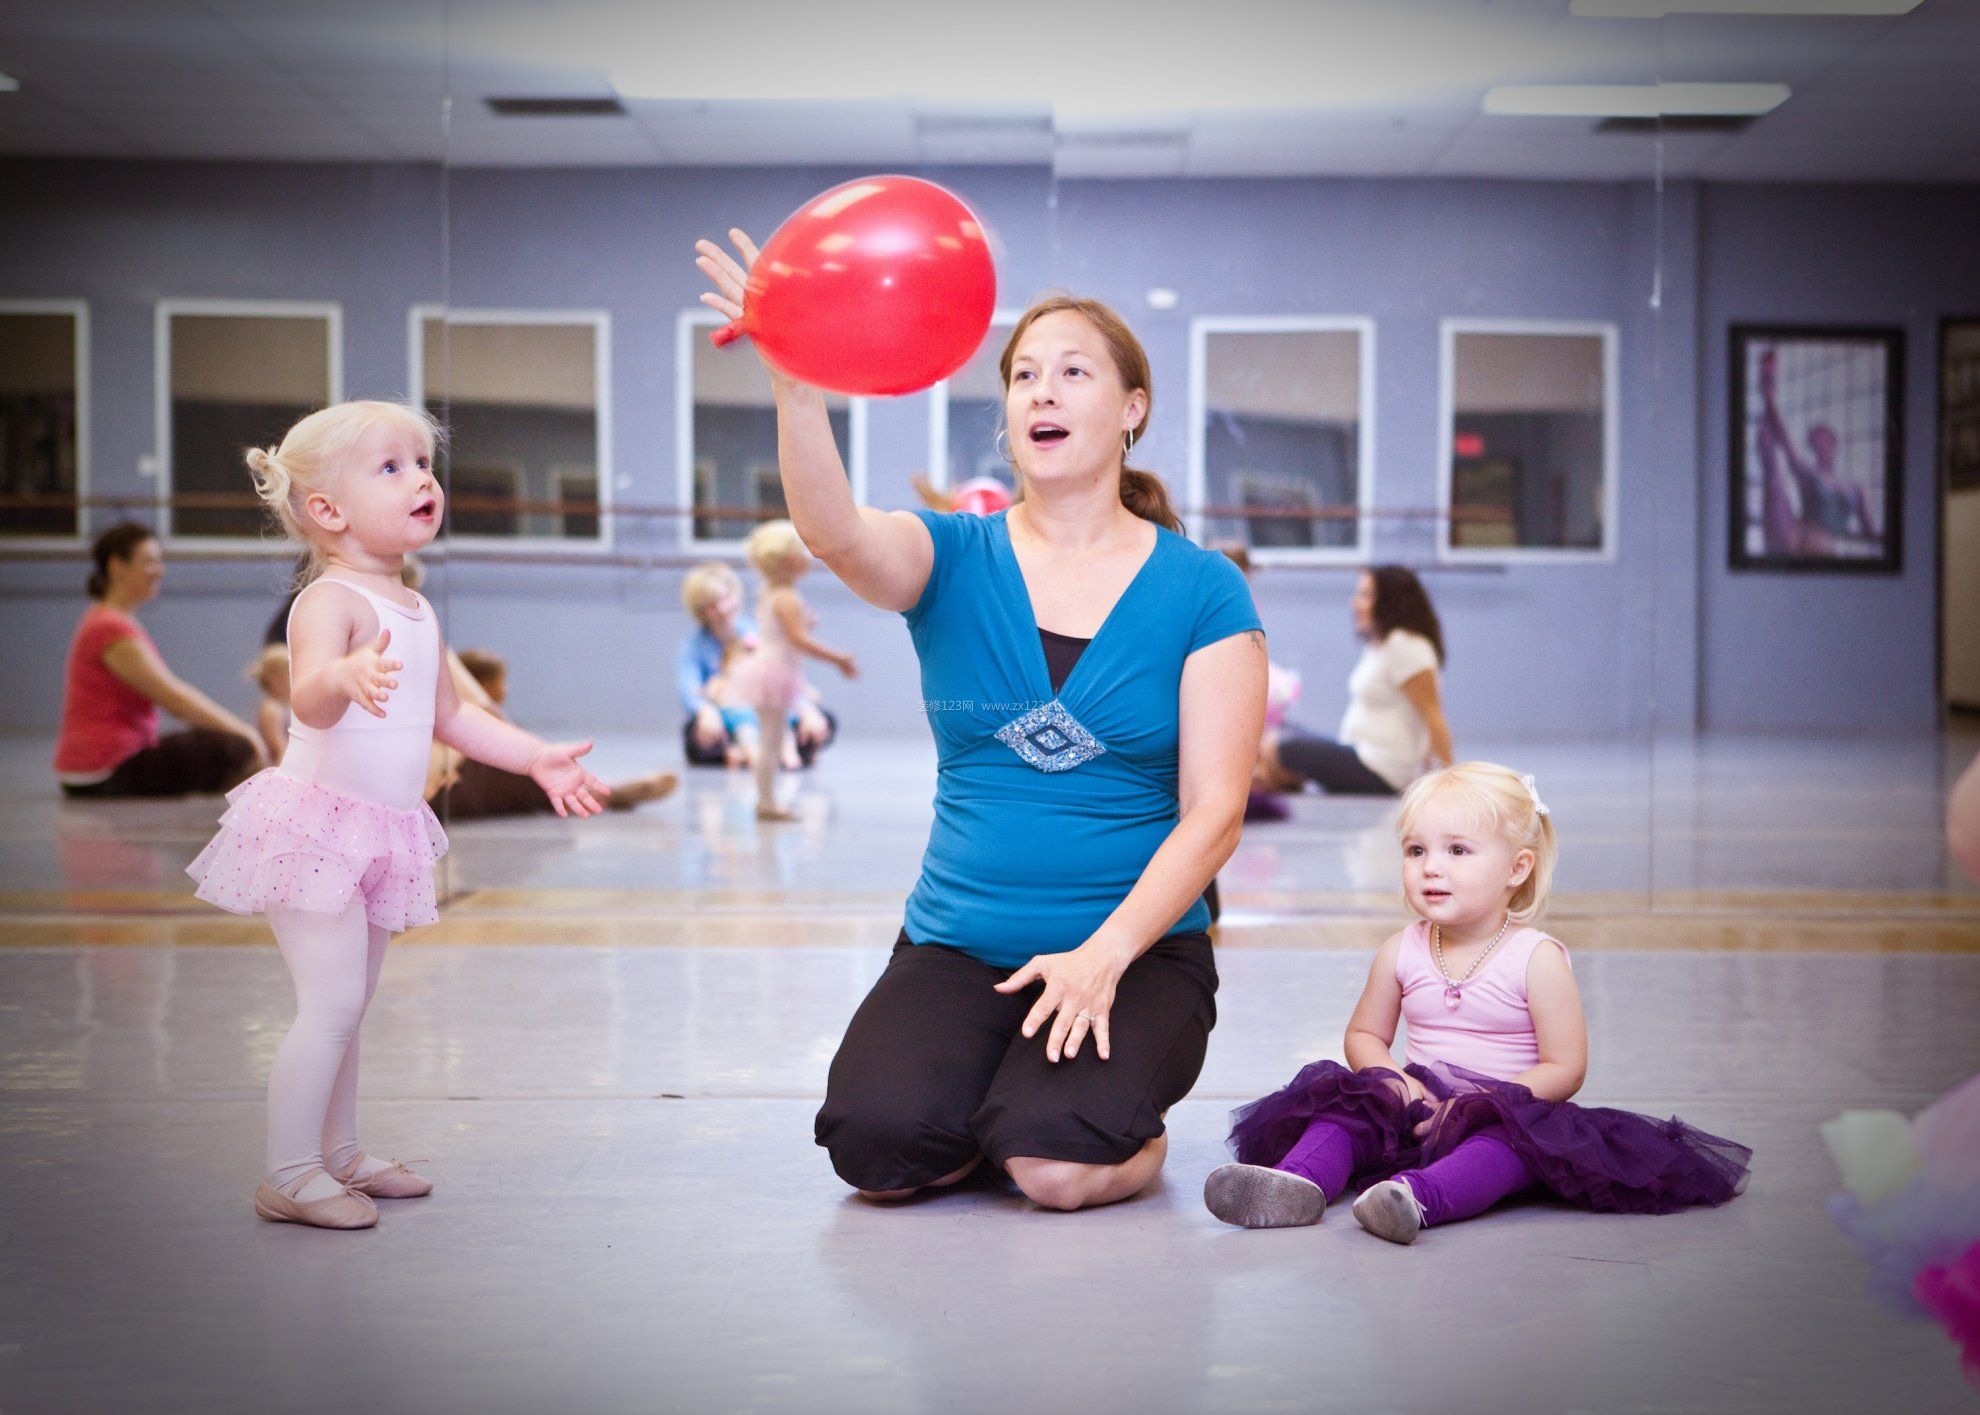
x: 641, y: 789
x: 776, y: 813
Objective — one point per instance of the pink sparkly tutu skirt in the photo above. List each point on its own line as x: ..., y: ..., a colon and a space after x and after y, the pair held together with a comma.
x: 288, y: 842
x: 767, y: 681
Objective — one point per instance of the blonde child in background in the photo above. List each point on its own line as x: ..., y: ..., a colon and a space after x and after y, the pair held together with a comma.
x: 729, y: 694
x: 335, y: 844
x: 771, y: 680
x: 1496, y: 1047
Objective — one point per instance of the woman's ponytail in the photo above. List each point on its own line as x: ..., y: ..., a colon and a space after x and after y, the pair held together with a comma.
x: 1147, y: 495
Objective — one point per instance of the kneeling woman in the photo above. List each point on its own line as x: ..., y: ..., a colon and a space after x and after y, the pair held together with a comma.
x: 1096, y: 685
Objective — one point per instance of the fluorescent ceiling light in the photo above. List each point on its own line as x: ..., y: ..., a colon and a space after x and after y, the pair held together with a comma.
x: 1634, y: 100
x: 1658, y: 9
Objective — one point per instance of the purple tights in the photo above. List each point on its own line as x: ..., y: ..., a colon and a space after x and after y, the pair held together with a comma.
x: 1481, y: 1171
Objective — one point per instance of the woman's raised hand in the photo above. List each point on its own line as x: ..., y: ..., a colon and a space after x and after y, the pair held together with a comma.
x: 726, y: 299
x: 364, y: 675
x: 1079, y: 989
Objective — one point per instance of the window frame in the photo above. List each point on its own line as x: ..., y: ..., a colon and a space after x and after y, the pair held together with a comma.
x: 78, y: 310
x: 330, y: 312
x: 690, y: 325
x: 1201, y: 327
x: 1609, y: 331
x: 601, y: 322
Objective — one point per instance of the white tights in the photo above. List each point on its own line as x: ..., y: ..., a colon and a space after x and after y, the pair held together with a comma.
x: 769, y: 754
x: 312, y: 1090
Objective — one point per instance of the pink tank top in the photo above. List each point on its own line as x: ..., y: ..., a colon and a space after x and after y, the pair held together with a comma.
x: 378, y: 759
x: 1490, y: 1031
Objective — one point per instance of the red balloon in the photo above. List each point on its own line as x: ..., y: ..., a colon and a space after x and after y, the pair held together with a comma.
x: 983, y: 496
x: 878, y: 287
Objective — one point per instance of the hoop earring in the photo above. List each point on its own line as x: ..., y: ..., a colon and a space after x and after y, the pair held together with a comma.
x: 1002, y: 442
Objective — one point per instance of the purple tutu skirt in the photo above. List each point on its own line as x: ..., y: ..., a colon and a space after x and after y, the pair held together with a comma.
x: 292, y: 843
x: 1611, y: 1161
x: 1369, y: 1105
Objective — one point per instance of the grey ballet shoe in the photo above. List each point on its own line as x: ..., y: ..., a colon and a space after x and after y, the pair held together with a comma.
x: 1252, y: 1196
x: 1389, y: 1210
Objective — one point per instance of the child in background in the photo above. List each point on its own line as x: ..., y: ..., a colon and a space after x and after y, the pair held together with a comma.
x: 270, y: 673
x: 771, y: 680
x: 1496, y: 1047
x: 480, y: 792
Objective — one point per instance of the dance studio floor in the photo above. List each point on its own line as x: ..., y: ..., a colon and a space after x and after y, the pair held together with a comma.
x: 609, y: 1051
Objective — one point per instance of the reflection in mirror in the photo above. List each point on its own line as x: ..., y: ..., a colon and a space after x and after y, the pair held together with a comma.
x: 232, y: 375
x: 44, y: 417
x: 966, y: 413
x: 1529, y: 438
x: 1281, y: 430
x: 525, y: 398
x: 728, y: 439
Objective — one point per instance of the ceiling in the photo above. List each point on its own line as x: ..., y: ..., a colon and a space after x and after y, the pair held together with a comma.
x: 1102, y: 89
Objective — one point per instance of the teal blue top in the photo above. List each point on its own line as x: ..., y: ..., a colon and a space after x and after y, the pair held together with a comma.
x: 1048, y: 807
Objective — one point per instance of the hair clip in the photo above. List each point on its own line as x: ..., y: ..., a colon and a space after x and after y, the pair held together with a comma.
x: 1539, y: 806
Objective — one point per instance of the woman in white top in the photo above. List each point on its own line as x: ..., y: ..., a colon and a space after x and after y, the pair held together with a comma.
x: 1394, y: 726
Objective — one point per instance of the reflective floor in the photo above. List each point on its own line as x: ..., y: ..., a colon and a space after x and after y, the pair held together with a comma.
x: 610, y: 1049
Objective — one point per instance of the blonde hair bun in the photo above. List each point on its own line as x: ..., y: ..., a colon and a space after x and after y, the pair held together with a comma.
x: 285, y: 477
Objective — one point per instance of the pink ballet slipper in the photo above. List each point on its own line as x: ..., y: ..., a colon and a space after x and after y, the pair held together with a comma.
x: 344, y: 1209
x: 395, y: 1181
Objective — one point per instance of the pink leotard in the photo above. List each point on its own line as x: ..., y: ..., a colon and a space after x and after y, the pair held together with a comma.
x: 379, y: 759
x: 1490, y: 1031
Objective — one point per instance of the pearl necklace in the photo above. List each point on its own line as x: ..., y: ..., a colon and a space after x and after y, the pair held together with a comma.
x: 1452, y: 995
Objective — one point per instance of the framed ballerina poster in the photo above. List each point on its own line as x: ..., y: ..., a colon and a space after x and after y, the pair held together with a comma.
x: 1817, y: 461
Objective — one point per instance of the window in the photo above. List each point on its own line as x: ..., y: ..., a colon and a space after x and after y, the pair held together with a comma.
x: 726, y: 438
x: 44, y: 418
x: 483, y: 497
x: 525, y: 396
x: 234, y: 375
x: 1529, y: 440
x: 965, y: 411
x: 1282, y: 435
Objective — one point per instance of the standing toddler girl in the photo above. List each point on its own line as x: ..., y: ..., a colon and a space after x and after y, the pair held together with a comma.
x: 335, y: 845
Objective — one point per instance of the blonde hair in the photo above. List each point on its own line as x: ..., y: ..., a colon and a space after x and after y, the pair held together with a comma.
x: 1142, y: 492
x: 285, y: 477
x: 707, y: 583
x: 1496, y: 798
x: 261, y: 672
x: 773, y: 546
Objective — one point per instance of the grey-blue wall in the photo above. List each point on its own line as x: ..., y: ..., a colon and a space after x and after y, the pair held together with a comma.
x: 1661, y: 635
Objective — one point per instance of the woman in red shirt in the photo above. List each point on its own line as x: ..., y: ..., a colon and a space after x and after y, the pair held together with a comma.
x: 116, y: 682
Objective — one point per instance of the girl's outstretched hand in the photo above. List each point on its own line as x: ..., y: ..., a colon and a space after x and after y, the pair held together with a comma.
x: 572, y: 790
x: 364, y: 675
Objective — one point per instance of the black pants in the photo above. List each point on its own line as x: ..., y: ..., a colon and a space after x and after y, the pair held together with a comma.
x: 933, y: 1070
x: 718, y: 755
x: 192, y: 763
x: 1334, y: 767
